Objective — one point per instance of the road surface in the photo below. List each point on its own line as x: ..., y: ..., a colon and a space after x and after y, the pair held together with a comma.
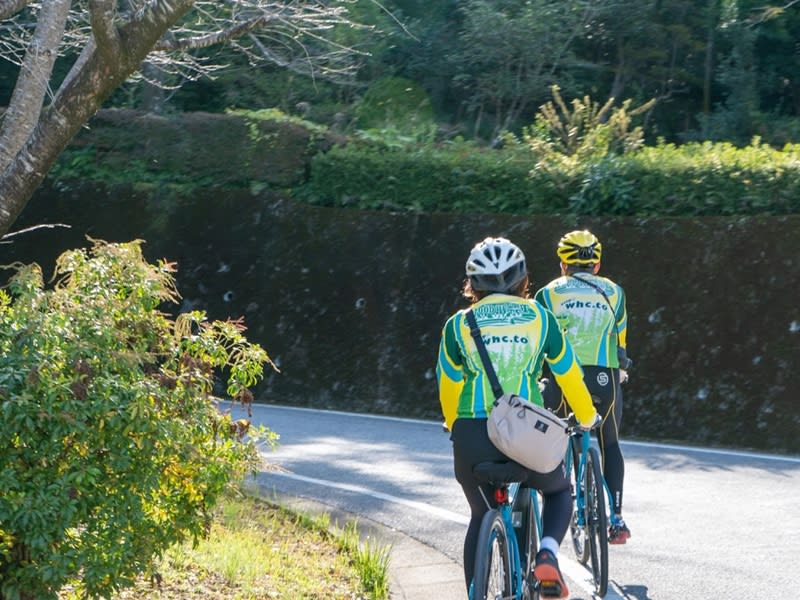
x: 706, y: 524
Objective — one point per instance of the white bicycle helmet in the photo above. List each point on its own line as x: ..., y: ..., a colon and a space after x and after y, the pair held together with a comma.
x: 496, y: 265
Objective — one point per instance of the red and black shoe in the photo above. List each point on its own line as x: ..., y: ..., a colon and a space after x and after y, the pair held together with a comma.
x: 547, y: 573
x: 618, y: 533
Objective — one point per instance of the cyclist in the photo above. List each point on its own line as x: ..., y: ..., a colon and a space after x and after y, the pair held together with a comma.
x: 591, y: 312
x: 520, y: 334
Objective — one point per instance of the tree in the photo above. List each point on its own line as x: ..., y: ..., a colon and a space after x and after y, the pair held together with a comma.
x: 109, y: 41
x: 652, y: 49
x: 114, y: 446
x: 509, y: 52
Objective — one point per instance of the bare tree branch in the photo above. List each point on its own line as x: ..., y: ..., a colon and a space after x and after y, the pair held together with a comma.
x: 116, y: 40
x: 102, y: 13
x: 13, y: 234
x: 204, y: 41
x: 765, y: 13
x: 8, y: 8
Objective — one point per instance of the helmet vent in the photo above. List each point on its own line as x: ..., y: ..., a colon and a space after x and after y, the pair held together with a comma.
x: 492, y: 259
x: 496, y: 264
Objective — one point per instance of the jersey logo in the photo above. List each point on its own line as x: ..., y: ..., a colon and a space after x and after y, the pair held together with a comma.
x: 504, y: 313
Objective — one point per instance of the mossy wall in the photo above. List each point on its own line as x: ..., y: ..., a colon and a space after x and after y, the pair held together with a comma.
x: 350, y: 303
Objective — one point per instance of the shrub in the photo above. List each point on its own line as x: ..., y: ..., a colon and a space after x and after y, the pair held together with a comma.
x: 460, y: 178
x: 114, y: 446
x: 692, y: 179
x: 584, y: 131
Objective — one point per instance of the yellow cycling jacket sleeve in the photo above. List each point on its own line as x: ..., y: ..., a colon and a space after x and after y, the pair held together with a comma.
x: 449, y: 374
x: 568, y: 373
x: 622, y: 320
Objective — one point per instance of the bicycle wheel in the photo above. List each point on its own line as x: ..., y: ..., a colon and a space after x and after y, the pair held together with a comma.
x: 597, y: 521
x: 528, y: 540
x: 578, y: 534
x: 492, y: 560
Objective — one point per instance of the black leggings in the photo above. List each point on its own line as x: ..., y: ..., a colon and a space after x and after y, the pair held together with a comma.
x: 471, y: 445
x: 606, y: 391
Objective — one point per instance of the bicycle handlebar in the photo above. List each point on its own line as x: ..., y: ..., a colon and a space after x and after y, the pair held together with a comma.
x: 573, y: 426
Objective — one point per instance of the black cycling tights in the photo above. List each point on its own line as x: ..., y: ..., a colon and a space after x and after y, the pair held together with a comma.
x: 614, y: 472
x: 604, y: 386
x: 471, y: 445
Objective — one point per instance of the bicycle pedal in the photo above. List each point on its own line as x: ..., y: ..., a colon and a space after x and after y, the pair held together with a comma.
x: 549, y: 589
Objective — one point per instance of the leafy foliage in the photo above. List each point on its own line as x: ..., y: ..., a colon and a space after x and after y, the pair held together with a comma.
x: 583, y: 159
x: 115, y: 447
x: 691, y: 179
x: 584, y: 130
x: 426, y: 178
x: 395, y: 103
x: 508, y: 53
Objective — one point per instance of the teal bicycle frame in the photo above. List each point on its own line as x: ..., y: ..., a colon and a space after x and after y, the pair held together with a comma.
x: 590, y: 520
x: 507, y: 544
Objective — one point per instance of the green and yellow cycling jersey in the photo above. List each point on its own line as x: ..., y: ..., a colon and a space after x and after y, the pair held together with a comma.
x: 586, y: 318
x: 519, y: 335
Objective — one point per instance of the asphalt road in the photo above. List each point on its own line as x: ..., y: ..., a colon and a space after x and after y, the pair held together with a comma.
x: 706, y: 524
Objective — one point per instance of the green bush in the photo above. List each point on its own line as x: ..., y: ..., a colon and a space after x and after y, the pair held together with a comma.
x: 714, y: 179
x: 692, y: 179
x: 458, y: 178
x: 580, y: 159
x: 115, y: 448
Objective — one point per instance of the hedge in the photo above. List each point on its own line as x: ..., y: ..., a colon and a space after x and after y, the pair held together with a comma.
x: 692, y: 179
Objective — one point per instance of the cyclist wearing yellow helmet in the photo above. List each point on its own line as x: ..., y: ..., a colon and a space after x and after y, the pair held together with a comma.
x: 591, y: 312
x: 520, y: 335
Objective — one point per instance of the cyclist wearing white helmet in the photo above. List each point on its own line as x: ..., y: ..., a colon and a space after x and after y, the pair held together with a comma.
x: 519, y: 334
x: 591, y: 312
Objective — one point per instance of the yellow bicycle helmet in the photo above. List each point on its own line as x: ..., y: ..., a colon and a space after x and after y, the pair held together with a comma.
x: 580, y: 248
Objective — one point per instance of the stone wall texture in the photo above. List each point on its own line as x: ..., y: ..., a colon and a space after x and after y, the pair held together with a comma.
x: 350, y: 303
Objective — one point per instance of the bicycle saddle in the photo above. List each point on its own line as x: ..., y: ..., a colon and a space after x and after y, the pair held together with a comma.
x: 495, y: 473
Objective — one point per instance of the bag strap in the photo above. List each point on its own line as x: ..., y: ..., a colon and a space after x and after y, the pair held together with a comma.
x: 624, y: 356
x: 605, y: 297
x: 475, y: 331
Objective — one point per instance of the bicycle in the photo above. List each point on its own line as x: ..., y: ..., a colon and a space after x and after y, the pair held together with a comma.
x: 590, y: 518
x: 508, y: 538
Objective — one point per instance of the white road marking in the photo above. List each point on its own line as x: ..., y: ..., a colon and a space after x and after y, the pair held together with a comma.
x: 575, y: 571
x: 438, y: 424
x: 580, y: 575
x: 442, y: 513
x: 719, y: 451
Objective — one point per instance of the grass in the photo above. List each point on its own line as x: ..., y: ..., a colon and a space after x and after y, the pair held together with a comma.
x: 257, y: 550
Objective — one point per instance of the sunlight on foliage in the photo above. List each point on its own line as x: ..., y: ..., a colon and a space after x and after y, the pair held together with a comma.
x: 116, y: 446
x: 584, y: 129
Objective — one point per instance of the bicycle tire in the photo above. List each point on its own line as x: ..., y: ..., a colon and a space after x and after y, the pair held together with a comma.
x: 597, y: 521
x: 528, y: 543
x: 492, y: 560
x: 578, y: 535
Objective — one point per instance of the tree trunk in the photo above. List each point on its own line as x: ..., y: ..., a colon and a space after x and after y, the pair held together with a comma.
x: 619, y: 73
x: 34, y: 75
x: 100, y: 69
x: 708, y: 67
